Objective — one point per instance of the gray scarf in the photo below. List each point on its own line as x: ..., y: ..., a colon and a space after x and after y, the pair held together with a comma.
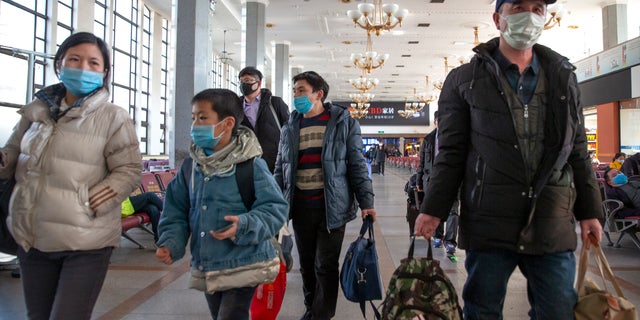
x: 242, y: 147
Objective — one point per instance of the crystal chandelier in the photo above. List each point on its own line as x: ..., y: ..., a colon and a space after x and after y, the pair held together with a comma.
x: 359, y: 110
x: 556, y: 12
x: 364, y: 84
x: 360, y: 105
x: 376, y: 17
x: 426, y: 97
x: 370, y: 59
x: 406, y: 113
x: 415, y: 105
x: 439, y: 83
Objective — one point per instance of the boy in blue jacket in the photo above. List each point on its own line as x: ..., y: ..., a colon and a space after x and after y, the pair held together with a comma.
x: 204, y: 203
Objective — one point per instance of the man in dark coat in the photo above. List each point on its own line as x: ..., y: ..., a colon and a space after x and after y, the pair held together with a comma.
x: 264, y: 113
x: 631, y: 165
x: 511, y: 131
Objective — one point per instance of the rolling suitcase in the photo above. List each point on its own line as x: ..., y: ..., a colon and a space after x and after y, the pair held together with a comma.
x: 375, y: 168
x: 413, y: 207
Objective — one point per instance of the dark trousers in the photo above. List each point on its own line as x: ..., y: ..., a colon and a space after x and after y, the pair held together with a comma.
x: 381, y: 164
x: 232, y: 304
x: 319, y: 251
x: 451, y: 235
x: 151, y: 204
x: 62, y: 285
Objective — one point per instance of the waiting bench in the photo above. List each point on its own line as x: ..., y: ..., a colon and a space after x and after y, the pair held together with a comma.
x: 627, y: 226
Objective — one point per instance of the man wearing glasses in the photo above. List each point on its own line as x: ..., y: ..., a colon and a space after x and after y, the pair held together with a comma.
x: 264, y: 113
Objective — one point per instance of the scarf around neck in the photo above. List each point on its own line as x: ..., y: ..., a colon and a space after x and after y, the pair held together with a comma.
x: 242, y: 147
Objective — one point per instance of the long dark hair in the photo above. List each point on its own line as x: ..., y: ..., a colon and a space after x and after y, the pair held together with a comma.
x: 80, y: 38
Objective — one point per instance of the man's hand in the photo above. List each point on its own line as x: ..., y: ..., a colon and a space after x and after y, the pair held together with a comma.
x: 164, y: 255
x: 426, y: 225
x: 590, y: 226
x: 369, y: 212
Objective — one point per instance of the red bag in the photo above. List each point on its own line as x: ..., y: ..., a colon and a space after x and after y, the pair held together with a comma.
x: 268, y: 298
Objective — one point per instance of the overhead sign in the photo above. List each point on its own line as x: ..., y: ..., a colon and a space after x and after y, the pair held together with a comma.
x: 386, y: 113
x: 624, y: 55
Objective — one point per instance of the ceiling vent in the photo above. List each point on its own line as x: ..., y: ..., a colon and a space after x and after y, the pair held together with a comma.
x: 414, y: 42
x: 437, y: 1
x: 424, y: 25
x: 406, y: 56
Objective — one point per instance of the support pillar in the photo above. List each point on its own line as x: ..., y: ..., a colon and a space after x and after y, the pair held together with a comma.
x: 192, y: 51
x: 282, y: 76
x: 614, y: 25
x: 253, y: 28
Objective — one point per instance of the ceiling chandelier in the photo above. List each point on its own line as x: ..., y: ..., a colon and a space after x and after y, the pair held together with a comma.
x: 370, y: 59
x: 376, y: 17
x: 439, y: 83
x: 360, y: 105
x: 359, y: 110
x: 224, y: 58
x: 364, y: 84
x: 426, y: 97
x: 556, y: 12
x: 406, y: 113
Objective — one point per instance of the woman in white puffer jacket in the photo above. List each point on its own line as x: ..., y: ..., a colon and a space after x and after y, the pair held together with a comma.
x: 75, y: 158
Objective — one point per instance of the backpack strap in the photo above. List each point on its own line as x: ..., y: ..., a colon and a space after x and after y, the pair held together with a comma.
x: 275, y: 115
x: 244, y: 179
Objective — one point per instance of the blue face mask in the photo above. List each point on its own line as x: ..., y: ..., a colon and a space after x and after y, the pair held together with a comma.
x: 619, y: 179
x: 80, y: 82
x: 202, y: 137
x: 302, y: 104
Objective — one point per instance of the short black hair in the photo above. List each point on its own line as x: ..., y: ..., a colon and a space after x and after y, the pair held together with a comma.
x: 252, y: 71
x: 224, y: 102
x: 618, y: 155
x: 435, y: 116
x: 315, y: 80
x: 80, y: 38
x: 606, y: 174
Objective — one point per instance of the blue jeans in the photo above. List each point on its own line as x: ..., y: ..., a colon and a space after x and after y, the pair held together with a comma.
x: 549, y: 277
x: 232, y: 304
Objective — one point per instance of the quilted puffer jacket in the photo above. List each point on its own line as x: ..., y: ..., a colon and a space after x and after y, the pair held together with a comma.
x: 71, y: 174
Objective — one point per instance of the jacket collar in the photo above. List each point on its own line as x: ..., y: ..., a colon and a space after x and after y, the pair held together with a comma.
x: 52, y: 95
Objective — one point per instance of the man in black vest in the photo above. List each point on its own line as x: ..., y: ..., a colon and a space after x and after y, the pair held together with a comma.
x: 511, y: 135
x: 264, y: 113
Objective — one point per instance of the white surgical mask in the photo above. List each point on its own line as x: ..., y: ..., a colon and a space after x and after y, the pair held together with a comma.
x: 523, y: 29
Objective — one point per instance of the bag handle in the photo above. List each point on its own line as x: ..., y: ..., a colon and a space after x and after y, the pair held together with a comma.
x: 601, y: 263
x: 412, y: 245
x: 367, y: 225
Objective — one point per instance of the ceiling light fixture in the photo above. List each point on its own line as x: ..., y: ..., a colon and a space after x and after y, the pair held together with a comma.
x: 439, y: 83
x: 364, y: 84
x: 376, y: 17
x: 359, y: 110
x: 224, y: 58
x: 370, y: 59
x: 556, y: 11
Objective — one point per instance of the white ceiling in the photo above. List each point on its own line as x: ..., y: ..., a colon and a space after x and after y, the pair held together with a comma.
x: 316, y: 30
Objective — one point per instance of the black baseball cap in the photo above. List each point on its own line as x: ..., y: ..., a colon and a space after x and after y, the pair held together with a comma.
x: 500, y: 2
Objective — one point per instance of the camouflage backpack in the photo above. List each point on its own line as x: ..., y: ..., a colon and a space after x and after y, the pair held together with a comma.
x: 419, y: 289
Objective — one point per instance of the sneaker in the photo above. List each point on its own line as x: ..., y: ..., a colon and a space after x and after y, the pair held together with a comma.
x: 451, y: 249
x: 437, y: 243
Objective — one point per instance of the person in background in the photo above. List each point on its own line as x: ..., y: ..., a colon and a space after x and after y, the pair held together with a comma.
x: 381, y: 158
x: 321, y: 172
x: 265, y: 113
x: 147, y: 202
x: 620, y: 188
x: 631, y: 166
x: 428, y: 152
x: 201, y: 203
x: 75, y: 158
x: 511, y: 135
x: 617, y: 161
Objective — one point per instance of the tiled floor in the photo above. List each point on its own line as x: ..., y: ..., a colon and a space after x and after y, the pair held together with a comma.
x: 138, y: 287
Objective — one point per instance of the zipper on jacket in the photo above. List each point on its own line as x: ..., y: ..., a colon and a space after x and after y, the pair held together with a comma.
x: 530, y: 192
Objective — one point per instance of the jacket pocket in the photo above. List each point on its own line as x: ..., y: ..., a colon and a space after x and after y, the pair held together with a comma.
x: 83, y: 199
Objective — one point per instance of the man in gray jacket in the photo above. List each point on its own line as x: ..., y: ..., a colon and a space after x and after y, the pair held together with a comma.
x: 511, y: 131
x: 321, y: 170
